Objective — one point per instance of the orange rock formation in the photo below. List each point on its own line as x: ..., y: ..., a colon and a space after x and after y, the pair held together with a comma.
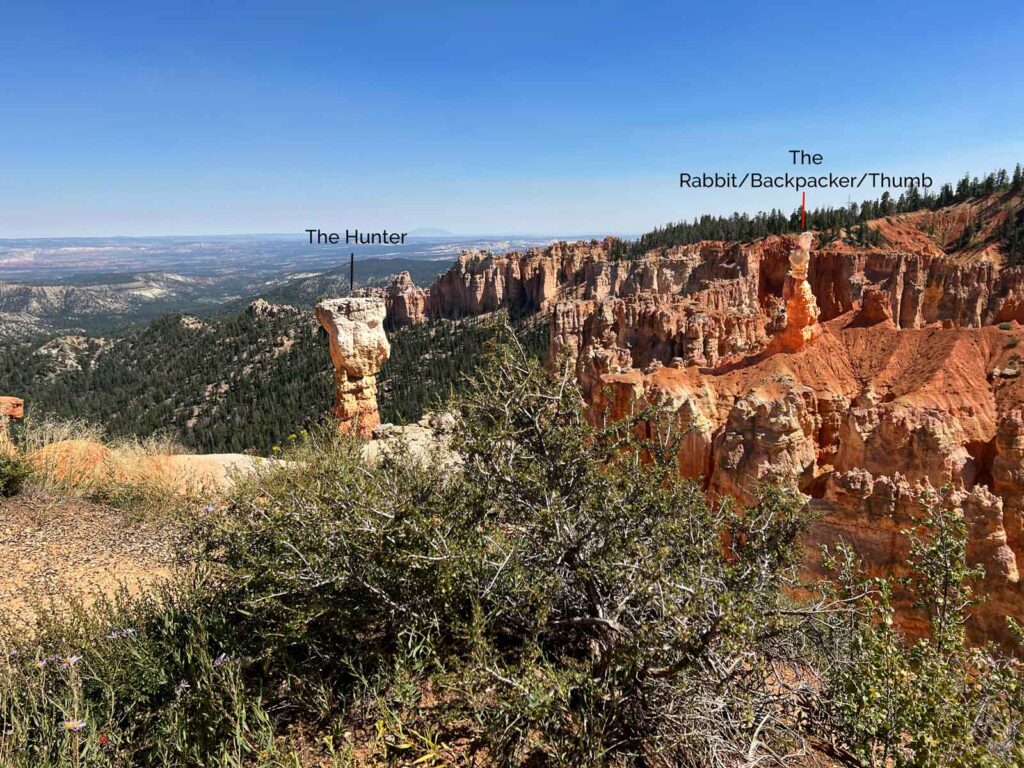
x: 867, y: 381
x: 406, y: 304
x: 10, y: 408
x: 801, y: 307
x: 864, y: 420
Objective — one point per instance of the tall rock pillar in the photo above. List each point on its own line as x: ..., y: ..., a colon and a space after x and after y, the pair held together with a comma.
x: 801, y: 308
x: 359, y: 347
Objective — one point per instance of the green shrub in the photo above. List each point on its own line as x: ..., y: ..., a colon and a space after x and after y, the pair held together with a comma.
x: 14, y: 471
x: 579, y: 597
x: 936, y: 702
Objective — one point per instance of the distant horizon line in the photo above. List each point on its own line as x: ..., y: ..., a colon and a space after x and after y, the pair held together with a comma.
x: 303, y: 235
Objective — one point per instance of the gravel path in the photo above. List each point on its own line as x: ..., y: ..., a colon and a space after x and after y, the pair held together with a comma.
x: 53, y: 548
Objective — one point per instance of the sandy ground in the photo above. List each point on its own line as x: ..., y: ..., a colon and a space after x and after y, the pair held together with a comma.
x: 53, y: 548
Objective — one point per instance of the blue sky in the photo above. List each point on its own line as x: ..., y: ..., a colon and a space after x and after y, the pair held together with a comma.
x: 233, y: 117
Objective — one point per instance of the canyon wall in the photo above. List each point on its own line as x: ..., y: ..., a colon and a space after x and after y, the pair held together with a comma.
x: 406, y: 304
x: 867, y: 420
x: 920, y: 288
x: 885, y: 376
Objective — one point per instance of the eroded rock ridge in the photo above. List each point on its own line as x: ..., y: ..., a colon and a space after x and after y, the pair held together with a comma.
x: 883, y: 375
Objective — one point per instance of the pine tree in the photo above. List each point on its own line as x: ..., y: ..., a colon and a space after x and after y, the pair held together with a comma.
x: 945, y: 196
x: 913, y: 199
x: 963, y: 188
x: 886, y: 207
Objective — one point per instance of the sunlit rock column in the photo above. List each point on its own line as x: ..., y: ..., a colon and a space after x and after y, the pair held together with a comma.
x: 359, y: 348
x: 406, y: 303
x: 801, y: 308
x: 10, y: 408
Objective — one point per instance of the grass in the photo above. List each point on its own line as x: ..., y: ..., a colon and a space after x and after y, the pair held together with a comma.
x: 145, y: 660
x: 74, y: 457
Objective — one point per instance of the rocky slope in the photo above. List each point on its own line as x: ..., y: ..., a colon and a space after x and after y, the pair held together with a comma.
x: 865, y: 420
x: 32, y: 309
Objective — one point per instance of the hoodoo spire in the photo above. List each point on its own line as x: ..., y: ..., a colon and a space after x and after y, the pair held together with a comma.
x: 359, y: 348
x: 801, y: 308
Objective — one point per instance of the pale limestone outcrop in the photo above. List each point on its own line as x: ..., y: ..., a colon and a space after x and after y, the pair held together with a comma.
x: 261, y: 308
x: 425, y: 442
x: 359, y: 347
x: 920, y: 443
x: 769, y: 437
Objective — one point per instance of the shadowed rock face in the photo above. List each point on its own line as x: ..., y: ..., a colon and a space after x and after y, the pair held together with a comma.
x: 359, y: 347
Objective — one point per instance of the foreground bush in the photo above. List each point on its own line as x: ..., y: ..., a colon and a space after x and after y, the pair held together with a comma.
x: 14, y: 472
x: 583, y: 597
x: 935, y: 702
x: 539, y: 593
x: 130, y: 678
